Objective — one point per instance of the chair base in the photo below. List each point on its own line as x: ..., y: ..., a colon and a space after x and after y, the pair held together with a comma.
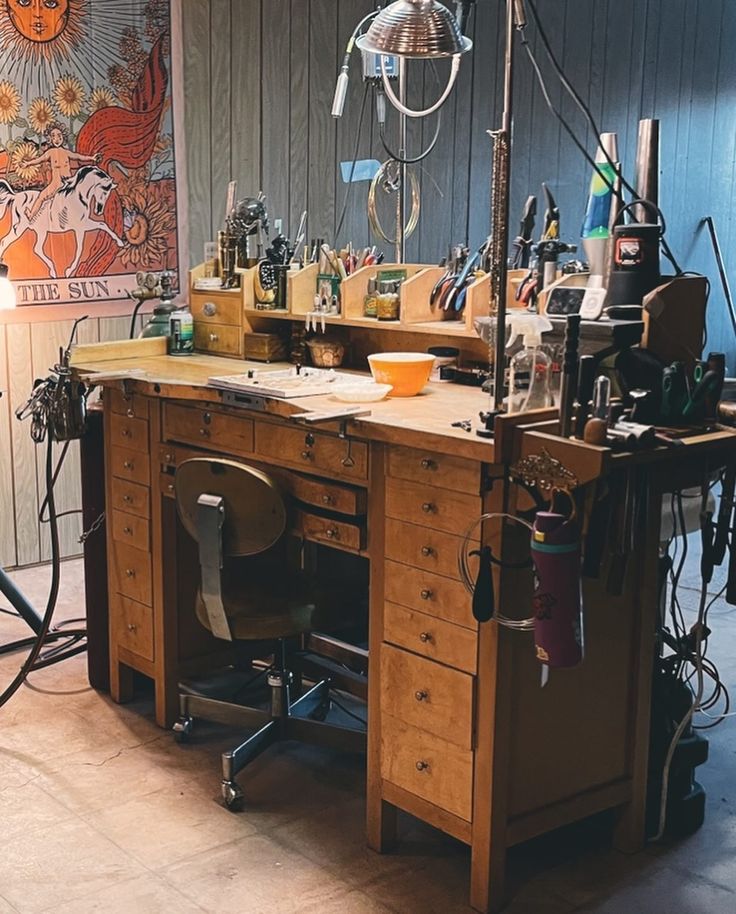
x: 303, y: 720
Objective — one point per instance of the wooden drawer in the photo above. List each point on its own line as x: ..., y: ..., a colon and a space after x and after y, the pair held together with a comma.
x: 128, y: 432
x: 129, y: 496
x: 217, y: 307
x: 133, y: 627
x: 166, y: 485
x: 429, y: 593
x: 427, y: 766
x: 206, y: 428
x: 134, y: 406
x: 427, y: 695
x: 131, y: 465
x: 331, y: 497
x: 440, y: 509
x: 312, y: 450
x: 131, y: 530
x: 442, y: 641
x: 332, y: 532
x: 455, y: 473
x: 220, y: 339
x: 423, y: 547
x: 131, y: 573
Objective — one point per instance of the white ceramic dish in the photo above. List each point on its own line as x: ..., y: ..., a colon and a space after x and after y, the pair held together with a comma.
x: 365, y: 392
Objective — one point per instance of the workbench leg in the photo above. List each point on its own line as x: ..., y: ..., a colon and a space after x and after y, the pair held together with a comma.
x: 487, y: 874
x: 121, y: 681
x: 167, y: 701
x: 381, y: 825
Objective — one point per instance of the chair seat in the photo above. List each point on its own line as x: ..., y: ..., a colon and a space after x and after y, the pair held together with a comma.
x: 282, y: 607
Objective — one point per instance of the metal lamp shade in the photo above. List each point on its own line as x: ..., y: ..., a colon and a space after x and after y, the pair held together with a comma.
x: 415, y: 28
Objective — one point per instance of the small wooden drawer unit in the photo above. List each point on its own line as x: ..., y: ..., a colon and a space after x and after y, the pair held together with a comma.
x: 131, y: 497
x: 134, y: 627
x: 433, y: 638
x: 423, y: 547
x: 427, y: 695
x: 429, y: 593
x: 128, y: 464
x: 129, y: 432
x: 328, y: 495
x: 455, y: 473
x: 428, y: 506
x: 208, y: 429
x: 217, y: 308
x: 219, y: 339
x: 427, y: 766
x: 132, y: 572
x: 313, y: 451
x: 134, y: 406
x: 131, y: 530
x: 337, y: 533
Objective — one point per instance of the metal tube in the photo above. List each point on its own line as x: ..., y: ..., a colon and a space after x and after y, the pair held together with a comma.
x: 501, y: 228
x: 403, y: 170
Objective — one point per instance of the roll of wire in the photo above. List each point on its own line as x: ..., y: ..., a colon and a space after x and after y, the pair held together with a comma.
x: 390, y: 184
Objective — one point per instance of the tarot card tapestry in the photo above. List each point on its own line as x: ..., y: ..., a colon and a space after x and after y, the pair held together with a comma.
x: 87, y: 179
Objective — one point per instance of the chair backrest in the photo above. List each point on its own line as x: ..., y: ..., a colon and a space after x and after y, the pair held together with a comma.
x: 255, y: 511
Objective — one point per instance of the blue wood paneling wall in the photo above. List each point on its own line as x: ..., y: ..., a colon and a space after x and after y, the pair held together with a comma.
x: 260, y: 76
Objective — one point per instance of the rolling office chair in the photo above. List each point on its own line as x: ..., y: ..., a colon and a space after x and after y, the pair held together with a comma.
x: 238, y: 517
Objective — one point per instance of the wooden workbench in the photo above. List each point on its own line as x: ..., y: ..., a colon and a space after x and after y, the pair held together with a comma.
x: 461, y: 733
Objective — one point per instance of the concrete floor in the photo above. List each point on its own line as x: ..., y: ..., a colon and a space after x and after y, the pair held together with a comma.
x: 100, y: 811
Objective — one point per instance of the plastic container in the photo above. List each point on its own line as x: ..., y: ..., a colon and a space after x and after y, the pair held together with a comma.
x: 181, y: 332
x: 406, y: 372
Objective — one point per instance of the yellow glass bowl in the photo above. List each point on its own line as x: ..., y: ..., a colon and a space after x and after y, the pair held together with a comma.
x: 406, y: 372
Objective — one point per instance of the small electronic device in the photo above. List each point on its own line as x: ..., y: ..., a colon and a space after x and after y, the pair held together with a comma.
x: 565, y: 300
x: 372, y: 66
x: 592, y: 304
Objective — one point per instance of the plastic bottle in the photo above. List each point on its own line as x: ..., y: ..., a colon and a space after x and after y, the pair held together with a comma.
x: 530, y: 371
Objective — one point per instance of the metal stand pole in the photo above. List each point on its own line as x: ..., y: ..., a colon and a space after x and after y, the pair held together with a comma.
x: 401, y: 203
x: 500, y: 206
x: 20, y: 603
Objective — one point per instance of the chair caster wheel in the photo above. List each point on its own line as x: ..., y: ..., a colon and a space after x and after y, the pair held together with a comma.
x: 233, y: 796
x: 183, y: 729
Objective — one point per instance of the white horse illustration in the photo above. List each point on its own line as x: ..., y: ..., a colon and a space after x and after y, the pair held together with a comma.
x: 67, y: 211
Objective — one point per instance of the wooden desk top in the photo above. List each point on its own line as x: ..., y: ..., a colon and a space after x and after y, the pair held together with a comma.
x: 424, y: 421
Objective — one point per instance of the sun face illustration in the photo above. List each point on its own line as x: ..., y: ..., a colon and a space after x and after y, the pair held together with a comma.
x: 41, y: 29
x: 39, y: 20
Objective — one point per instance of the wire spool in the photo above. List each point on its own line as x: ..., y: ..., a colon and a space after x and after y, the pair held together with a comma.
x: 390, y: 184
x: 523, y: 625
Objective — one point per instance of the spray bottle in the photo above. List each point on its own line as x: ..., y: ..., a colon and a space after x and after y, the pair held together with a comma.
x: 530, y: 371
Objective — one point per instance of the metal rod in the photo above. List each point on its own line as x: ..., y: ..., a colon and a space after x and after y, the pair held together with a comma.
x: 401, y: 204
x: 721, y: 268
x: 502, y: 225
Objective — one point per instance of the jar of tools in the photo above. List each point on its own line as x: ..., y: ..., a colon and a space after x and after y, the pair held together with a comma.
x: 387, y: 301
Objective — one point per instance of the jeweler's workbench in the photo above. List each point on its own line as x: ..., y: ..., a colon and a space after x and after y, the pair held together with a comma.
x: 486, y: 754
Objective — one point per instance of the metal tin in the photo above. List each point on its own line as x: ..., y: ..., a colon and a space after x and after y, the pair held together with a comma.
x: 181, y: 332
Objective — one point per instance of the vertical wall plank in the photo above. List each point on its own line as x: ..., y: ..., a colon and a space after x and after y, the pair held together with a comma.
x: 245, y: 106
x: 299, y: 116
x: 20, y: 376
x: 195, y: 32
x: 321, y: 161
x: 7, y: 506
x: 221, y: 94
x: 275, y: 111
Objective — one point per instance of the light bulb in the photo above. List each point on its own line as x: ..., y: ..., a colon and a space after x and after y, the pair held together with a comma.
x: 7, y: 292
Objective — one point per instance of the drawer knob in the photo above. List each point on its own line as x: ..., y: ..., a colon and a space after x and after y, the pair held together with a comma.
x: 307, y: 455
x: 127, y: 464
x: 130, y: 413
x: 422, y: 765
x: 168, y: 458
x: 428, y: 464
x: 125, y: 432
x: 425, y: 637
x: 427, y: 551
x: 170, y: 487
x: 209, y: 308
x: 127, y: 531
x: 204, y: 432
x: 332, y: 533
x: 130, y: 572
x: 214, y: 337
x: 428, y: 507
x: 207, y: 418
x: 327, y: 499
x: 128, y: 499
x: 426, y: 594
x: 132, y: 627
x: 421, y: 695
